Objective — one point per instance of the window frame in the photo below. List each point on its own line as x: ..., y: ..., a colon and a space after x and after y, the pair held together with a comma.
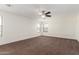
x: 1, y: 26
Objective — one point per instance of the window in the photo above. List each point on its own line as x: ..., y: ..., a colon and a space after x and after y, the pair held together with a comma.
x: 0, y: 25
x: 45, y: 27
x: 42, y: 27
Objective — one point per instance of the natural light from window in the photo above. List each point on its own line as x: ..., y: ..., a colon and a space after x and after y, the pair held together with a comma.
x: 0, y: 25
x: 0, y: 20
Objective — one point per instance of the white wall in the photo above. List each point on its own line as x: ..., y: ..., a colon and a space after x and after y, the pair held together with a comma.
x: 62, y: 25
x: 77, y: 27
x: 16, y: 28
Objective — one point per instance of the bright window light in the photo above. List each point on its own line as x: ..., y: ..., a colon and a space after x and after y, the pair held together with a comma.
x: 38, y: 27
x: 45, y: 28
x: 0, y: 26
x: 0, y: 21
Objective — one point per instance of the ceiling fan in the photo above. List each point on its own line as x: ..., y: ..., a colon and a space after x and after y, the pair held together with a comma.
x: 46, y: 13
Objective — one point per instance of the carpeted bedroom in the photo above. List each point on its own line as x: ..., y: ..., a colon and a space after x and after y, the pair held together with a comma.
x: 39, y: 29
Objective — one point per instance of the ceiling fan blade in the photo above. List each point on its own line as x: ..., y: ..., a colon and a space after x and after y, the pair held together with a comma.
x: 48, y: 12
x: 48, y: 15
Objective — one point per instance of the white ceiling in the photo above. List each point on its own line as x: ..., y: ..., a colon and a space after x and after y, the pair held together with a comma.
x: 31, y: 9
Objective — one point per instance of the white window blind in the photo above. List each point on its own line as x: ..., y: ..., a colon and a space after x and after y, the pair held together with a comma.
x: 0, y: 25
